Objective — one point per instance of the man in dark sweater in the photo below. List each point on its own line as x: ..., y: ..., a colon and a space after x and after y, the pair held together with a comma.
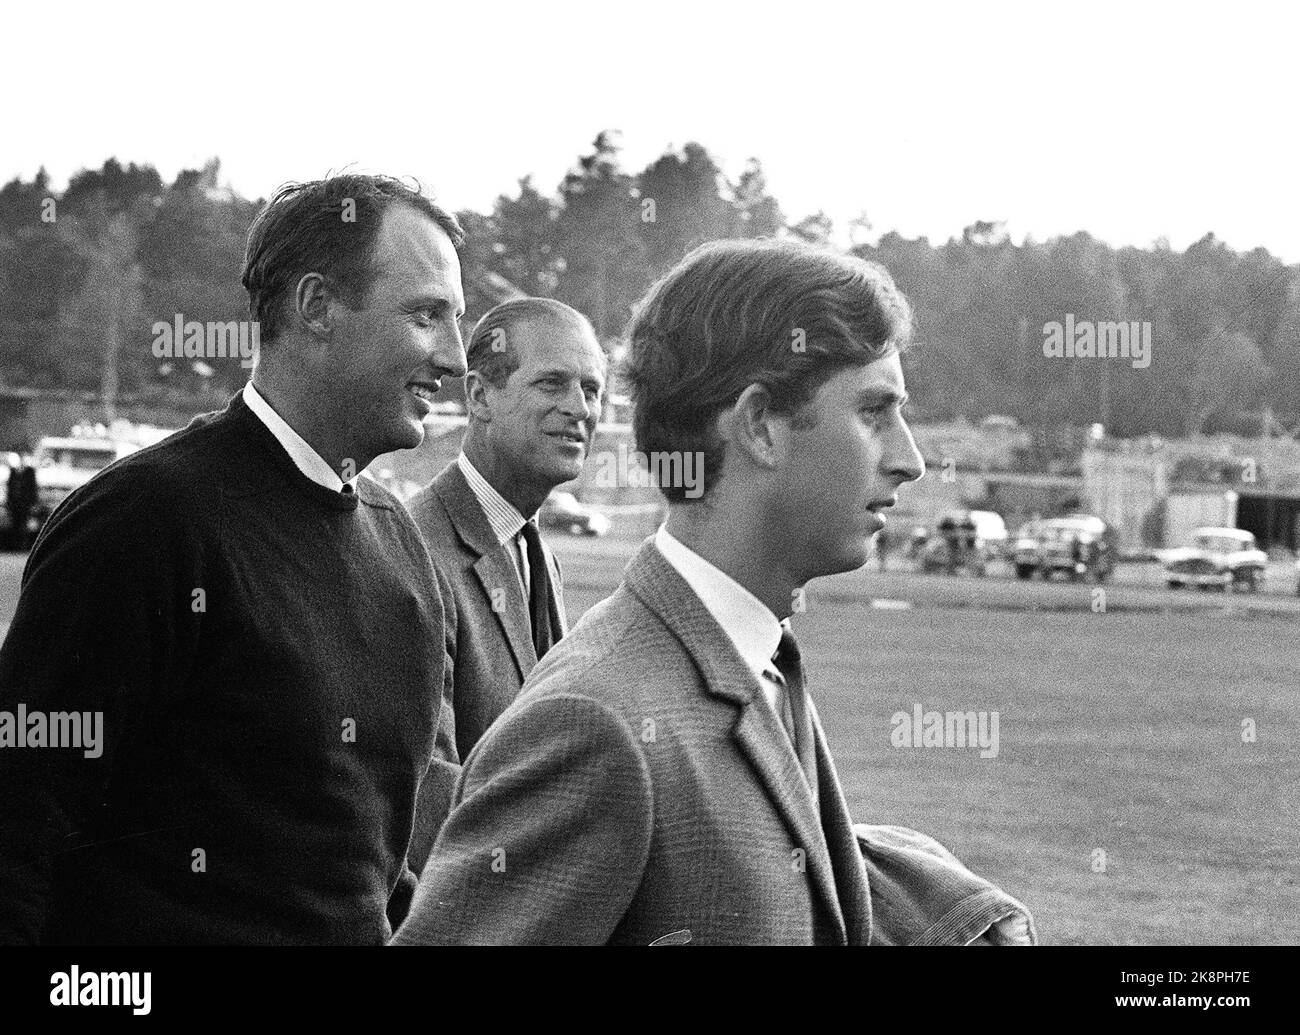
x: 260, y: 630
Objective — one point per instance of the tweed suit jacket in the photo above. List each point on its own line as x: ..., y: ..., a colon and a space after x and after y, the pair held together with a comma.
x: 488, y: 626
x: 641, y: 789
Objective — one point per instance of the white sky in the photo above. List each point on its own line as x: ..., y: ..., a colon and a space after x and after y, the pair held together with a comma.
x: 1131, y: 120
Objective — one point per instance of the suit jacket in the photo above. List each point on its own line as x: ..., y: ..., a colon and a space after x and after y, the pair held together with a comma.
x: 488, y: 627
x: 641, y: 789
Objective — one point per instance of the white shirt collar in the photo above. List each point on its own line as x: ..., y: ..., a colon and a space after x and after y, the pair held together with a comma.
x: 503, y: 517
x: 745, y: 619
x: 306, y: 459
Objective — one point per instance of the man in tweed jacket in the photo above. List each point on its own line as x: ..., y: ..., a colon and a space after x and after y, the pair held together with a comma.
x: 663, y: 777
x: 534, y: 386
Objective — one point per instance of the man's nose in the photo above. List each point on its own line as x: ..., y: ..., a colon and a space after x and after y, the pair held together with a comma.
x: 574, y: 403
x: 904, y: 461
x: 449, y: 351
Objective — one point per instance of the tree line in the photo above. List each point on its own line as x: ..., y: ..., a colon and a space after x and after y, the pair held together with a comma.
x: 85, y: 273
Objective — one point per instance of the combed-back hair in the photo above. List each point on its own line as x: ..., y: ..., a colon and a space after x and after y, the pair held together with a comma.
x: 328, y: 227
x: 491, y: 352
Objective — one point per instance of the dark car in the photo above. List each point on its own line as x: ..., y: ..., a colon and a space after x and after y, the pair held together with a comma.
x: 1078, y: 546
x: 563, y: 511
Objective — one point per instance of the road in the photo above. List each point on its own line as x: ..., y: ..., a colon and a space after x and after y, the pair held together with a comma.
x: 1134, y: 587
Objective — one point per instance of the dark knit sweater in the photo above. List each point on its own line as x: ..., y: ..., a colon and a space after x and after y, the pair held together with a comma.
x: 262, y: 740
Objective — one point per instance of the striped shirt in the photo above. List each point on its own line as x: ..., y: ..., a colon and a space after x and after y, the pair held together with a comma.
x: 503, y: 518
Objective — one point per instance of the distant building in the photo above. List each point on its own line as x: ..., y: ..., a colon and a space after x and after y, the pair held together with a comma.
x: 1152, y: 491
x: 1156, y: 493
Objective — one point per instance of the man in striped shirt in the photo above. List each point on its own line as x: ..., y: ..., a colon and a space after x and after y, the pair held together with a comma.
x: 534, y: 389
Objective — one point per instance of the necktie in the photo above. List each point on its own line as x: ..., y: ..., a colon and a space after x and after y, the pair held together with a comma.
x: 788, y: 664
x: 539, y: 597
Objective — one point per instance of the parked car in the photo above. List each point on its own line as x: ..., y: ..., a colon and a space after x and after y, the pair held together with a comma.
x: 563, y: 511
x: 1078, y: 546
x: 1221, y: 557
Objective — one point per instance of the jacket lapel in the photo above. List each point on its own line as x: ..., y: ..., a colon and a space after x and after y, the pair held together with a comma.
x: 758, y: 732
x: 764, y: 741
x: 845, y: 853
x: 496, y: 572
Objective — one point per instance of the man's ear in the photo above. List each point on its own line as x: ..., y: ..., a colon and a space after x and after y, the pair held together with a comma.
x: 476, y: 397
x: 752, y: 426
x: 314, y: 303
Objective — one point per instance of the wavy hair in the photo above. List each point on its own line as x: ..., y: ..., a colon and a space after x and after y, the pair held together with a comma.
x: 782, y: 314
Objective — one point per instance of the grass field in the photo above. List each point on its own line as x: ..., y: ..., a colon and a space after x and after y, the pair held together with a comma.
x: 1119, y: 731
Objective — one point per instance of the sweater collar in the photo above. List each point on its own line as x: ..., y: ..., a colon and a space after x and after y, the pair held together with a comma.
x: 306, y: 459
